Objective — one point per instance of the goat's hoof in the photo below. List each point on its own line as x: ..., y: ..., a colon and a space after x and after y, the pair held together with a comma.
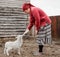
x: 19, y: 53
x: 7, y: 54
x: 4, y: 53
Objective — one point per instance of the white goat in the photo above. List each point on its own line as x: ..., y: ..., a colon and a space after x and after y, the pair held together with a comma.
x: 15, y: 45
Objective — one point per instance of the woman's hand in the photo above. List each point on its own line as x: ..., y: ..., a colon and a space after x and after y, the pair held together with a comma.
x: 36, y: 32
x: 27, y: 30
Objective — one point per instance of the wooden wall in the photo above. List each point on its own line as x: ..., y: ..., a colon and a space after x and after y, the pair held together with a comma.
x: 13, y: 21
x: 55, y: 27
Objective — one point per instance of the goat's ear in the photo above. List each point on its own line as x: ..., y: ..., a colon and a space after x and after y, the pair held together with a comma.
x: 16, y: 37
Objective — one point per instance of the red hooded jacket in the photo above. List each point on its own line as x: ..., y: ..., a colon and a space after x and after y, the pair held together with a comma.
x: 38, y: 18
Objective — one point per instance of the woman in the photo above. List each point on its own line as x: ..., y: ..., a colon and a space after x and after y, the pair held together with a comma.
x: 42, y: 23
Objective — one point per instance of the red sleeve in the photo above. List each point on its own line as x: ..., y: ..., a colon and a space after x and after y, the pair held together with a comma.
x: 30, y: 23
x: 37, y: 18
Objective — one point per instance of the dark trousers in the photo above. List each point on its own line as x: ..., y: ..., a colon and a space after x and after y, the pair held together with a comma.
x: 40, y: 48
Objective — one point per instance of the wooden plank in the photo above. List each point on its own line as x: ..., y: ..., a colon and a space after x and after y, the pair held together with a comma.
x: 58, y: 26
x: 11, y: 22
x: 13, y: 16
x: 11, y: 30
x: 13, y: 13
x: 20, y: 27
x: 10, y: 33
x: 12, y: 19
x: 11, y: 8
x: 55, y: 28
x: 8, y: 17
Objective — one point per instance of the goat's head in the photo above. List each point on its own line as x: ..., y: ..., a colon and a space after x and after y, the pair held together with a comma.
x: 19, y: 36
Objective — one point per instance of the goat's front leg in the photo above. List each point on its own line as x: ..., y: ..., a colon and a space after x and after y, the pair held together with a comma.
x: 19, y: 51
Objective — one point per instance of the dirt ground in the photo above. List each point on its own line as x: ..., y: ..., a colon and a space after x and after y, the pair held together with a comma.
x: 30, y: 45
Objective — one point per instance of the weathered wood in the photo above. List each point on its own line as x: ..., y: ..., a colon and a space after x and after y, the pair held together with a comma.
x: 10, y: 33
x: 11, y: 30
x: 7, y: 36
x: 12, y: 21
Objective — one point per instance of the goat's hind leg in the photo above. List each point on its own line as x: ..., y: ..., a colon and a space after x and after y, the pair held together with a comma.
x: 7, y: 51
x: 4, y: 50
x: 19, y: 51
